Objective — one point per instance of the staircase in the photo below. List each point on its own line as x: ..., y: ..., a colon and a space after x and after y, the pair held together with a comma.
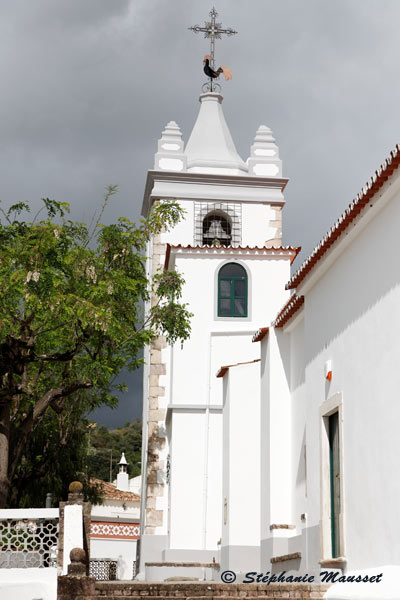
x: 86, y: 588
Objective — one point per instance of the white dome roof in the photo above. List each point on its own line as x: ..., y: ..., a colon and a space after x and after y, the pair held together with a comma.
x: 210, y: 148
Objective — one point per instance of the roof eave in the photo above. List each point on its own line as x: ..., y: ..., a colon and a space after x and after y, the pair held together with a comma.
x: 292, y: 306
x: 223, y: 370
x: 359, y: 213
x: 260, y: 334
x: 274, y: 251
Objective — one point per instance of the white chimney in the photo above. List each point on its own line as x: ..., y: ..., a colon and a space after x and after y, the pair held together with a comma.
x: 123, y: 477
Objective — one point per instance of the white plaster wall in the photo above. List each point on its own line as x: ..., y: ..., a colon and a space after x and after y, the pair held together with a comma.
x: 265, y: 439
x: 299, y: 450
x: 256, y: 229
x: 227, y: 350
x: 123, y: 551
x: 352, y: 318
x: 28, y: 584
x: 266, y: 296
x: 187, y: 478
x: 276, y: 468
x: 73, y: 531
x: 242, y: 455
x: 114, y: 510
x: 135, y: 484
x: 214, y: 482
x: 183, y: 232
x: 276, y: 429
x: 192, y: 381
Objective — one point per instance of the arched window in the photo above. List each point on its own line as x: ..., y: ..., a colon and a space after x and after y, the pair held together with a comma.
x: 232, y: 291
x: 217, y: 229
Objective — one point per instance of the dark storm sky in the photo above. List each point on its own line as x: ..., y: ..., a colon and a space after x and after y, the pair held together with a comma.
x: 88, y: 85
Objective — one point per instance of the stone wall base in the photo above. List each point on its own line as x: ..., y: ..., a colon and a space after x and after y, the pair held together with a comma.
x: 86, y: 588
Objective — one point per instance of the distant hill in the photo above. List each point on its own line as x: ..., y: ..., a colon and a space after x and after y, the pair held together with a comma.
x: 106, y: 447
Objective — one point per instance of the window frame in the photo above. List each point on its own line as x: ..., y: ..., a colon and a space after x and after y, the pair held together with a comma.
x: 232, y: 297
x: 333, y: 404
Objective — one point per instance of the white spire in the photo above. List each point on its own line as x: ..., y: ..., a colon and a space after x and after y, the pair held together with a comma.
x: 264, y: 155
x: 170, y: 155
x: 210, y: 148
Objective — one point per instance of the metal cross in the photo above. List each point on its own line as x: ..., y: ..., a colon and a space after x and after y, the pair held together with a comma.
x: 214, y: 31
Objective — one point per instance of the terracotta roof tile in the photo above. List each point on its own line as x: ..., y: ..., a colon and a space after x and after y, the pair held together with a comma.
x: 110, y: 492
x: 359, y: 203
x: 205, y: 246
x: 260, y: 334
x: 290, y: 308
x: 221, y: 372
x: 294, y: 250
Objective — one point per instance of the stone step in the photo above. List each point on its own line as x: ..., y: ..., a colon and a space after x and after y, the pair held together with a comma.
x: 283, y: 595
x: 255, y: 596
x: 86, y: 588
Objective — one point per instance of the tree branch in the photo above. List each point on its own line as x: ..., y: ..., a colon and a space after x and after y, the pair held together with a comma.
x: 25, y: 430
x: 52, y: 395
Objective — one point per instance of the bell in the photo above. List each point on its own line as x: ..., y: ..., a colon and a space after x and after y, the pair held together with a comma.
x: 216, y: 231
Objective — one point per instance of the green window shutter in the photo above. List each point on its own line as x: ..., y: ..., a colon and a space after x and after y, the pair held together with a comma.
x: 232, y: 291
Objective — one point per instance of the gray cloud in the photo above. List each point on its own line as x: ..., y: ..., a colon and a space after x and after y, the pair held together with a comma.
x: 88, y: 85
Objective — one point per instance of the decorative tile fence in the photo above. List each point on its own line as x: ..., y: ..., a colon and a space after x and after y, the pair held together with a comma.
x: 28, y: 538
x: 103, y: 569
x: 106, y: 569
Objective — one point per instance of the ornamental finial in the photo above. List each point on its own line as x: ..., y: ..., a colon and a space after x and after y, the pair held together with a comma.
x: 213, y: 31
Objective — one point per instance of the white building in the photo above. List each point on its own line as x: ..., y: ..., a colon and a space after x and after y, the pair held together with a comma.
x: 114, y: 530
x: 270, y: 440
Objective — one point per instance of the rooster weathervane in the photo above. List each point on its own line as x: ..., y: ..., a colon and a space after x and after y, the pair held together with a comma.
x: 213, y: 31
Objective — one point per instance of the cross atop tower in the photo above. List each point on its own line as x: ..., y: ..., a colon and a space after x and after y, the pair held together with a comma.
x: 213, y: 31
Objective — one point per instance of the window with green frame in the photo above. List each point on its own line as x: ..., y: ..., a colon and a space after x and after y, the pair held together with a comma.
x: 232, y: 291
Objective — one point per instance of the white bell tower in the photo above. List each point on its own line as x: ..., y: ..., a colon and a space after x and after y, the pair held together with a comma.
x: 196, y: 507
x: 228, y: 248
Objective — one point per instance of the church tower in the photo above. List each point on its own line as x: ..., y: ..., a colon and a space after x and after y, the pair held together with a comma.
x: 228, y: 249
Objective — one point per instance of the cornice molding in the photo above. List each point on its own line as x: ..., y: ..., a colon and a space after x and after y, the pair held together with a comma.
x: 207, y: 179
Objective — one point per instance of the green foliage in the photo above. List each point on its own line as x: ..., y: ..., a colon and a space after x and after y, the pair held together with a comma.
x: 55, y: 455
x: 106, y: 447
x: 71, y: 318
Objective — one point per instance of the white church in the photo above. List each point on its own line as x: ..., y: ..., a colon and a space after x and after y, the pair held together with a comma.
x: 271, y: 439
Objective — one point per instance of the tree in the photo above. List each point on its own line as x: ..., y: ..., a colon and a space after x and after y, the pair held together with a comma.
x: 71, y: 315
x: 56, y: 454
x: 67, y: 446
x: 106, y: 446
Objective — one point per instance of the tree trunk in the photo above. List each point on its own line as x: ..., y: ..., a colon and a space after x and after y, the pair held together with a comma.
x: 5, y: 411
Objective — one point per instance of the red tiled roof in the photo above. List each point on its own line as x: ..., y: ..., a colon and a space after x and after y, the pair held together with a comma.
x: 205, y: 246
x: 294, y: 250
x: 352, y: 211
x: 221, y: 372
x: 110, y: 492
x: 260, y: 334
x: 291, y: 307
